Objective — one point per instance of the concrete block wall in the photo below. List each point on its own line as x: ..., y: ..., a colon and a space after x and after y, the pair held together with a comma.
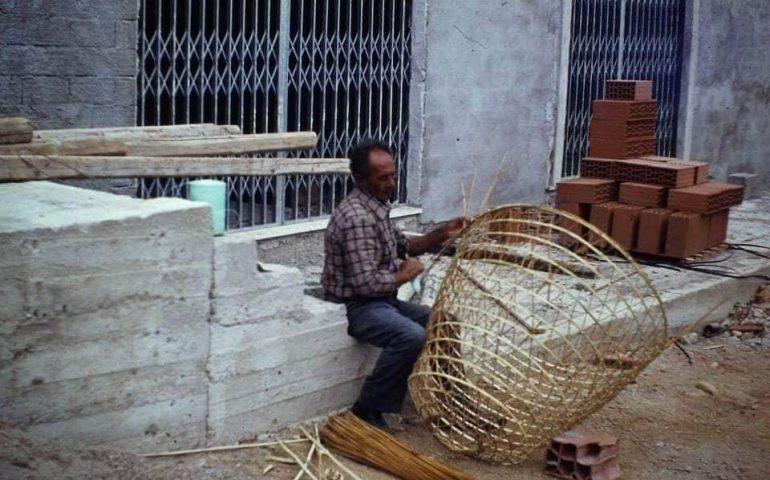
x: 126, y: 324
x: 103, y: 331
x: 277, y: 355
x: 69, y: 63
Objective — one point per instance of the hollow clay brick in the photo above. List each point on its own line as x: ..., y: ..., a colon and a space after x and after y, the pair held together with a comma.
x: 628, y: 90
x: 642, y: 194
x: 624, y: 110
x: 586, y: 190
x: 705, y: 197
x: 701, y: 168
x: 666, y: 174
x: 718, y: 227
x: 595, y: 167
x: 653, y: 226
x: 622, y: 148
x: 687, y: 234
x: 601, y: 217
x: 583, y: 455
x: 582, y: 210
x: 625, y: 223
x: 611, y: 129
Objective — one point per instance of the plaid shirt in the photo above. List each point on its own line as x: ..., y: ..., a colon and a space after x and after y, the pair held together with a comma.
x: 362, y: 249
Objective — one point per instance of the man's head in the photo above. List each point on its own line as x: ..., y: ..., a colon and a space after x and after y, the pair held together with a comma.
x: 373, y: 168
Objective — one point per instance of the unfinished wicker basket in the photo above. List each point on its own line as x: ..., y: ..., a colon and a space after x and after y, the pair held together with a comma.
x: 540, y: 320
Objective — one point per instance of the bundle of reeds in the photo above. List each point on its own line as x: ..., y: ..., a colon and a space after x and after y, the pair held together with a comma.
x: 355, y: 439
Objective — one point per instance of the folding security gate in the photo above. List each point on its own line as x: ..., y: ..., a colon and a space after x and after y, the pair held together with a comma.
x: 631, y: 39
x: 339, y: 68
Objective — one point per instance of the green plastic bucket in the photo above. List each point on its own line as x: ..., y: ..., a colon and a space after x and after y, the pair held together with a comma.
x: 213, y: 193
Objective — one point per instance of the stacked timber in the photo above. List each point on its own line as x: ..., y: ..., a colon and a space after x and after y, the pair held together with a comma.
x: 652, y: 205
x: 157, y: 151
x: 15, y: 130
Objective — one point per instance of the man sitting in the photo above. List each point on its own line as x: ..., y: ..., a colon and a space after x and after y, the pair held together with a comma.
x: 366, y: 261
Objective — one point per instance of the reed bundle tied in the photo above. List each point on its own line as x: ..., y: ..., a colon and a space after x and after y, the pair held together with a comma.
x: 539, y: 321
x: 355, y: 439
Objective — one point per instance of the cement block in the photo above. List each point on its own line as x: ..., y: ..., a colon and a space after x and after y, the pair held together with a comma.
x: 752, y: 182
x: 114, y: 115
x: 68, y: 60
x: 99, y: 394
x: 254, y: 306
x: 120, y: 9
x: 99, y: 91
x: 235, y: 427
x: 235, y: 264
x: 58, y: 362
x: 243, y: 349
x: 245, y: 293
x: 47, y: 207
x: 10, y: 90
x: 171, y: 424
x: 40, y: 30
x: 132, y: 318
x: 83, y: 293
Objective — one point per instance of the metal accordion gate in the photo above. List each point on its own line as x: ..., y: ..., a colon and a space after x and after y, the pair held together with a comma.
x: 339, y: 68
x: 629, y: 39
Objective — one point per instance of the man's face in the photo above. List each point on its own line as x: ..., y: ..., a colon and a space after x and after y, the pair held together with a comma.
x: 382, y: 175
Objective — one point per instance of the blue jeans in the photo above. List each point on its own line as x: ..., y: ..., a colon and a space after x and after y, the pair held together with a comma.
x: 399, y: 329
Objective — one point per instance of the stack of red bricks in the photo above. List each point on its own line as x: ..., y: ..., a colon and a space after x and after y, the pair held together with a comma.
x: 648, y: 204
x: 583, y: 455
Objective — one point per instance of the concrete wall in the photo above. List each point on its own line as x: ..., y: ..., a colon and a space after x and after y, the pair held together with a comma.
x: 484, y: 83
x: 69, y: 63
x: 124, y: 323
x: 277, y: 356
x: 103, y: 326
x: 724, y: 117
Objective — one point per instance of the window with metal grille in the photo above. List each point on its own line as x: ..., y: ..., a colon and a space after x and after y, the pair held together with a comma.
x: 632, y: 39
x: 339, y: 68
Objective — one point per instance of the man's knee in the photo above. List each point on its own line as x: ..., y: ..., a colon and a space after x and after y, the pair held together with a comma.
x: 416, y: 339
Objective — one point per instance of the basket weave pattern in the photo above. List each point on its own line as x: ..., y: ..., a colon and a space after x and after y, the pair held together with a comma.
x: 528, y: 337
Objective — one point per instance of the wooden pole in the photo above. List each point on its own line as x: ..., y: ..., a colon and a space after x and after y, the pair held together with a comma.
x: 140, y: 133
x: 36, y: 167
x: 15, y: 130
x: 229, y: 145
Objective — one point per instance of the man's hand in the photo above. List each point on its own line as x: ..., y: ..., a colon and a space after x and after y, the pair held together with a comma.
x: 452, y: 227
x: 433, y: 240
x: 409, y: 269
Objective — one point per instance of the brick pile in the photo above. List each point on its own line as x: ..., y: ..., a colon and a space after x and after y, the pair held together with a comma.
x: 583, y: 455
x: 649, y: 204
x: 623, y: 123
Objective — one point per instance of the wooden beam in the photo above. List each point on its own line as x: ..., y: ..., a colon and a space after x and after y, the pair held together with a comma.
x: 75, y: 146
x: 33, y: 167
x: 15, y: 130
x: 142, y: 133
x: 229, y: 145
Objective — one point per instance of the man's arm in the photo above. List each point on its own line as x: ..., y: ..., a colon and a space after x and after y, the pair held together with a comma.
x: 435, y: 238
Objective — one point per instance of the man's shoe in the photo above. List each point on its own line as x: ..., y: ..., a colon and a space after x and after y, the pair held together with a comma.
x: 369, y: 415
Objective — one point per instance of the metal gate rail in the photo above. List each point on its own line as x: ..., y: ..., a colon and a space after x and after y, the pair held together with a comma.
x: 339, y: 68
x: 635, y: 39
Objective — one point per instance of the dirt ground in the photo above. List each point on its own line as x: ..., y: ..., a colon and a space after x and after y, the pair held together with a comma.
x: 668, y: 427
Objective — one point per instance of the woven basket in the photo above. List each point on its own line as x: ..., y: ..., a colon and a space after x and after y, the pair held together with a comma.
x: 533, y: 329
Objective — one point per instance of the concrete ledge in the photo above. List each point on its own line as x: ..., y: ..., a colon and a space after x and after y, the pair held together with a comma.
x: 297, y: 228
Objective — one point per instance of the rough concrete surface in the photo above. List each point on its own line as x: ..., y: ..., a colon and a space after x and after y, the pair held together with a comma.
x: 478, y: 94
x: 69, y: 63
x: 125, y: 323
x: 104, y: 297
x: 726, y: 87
